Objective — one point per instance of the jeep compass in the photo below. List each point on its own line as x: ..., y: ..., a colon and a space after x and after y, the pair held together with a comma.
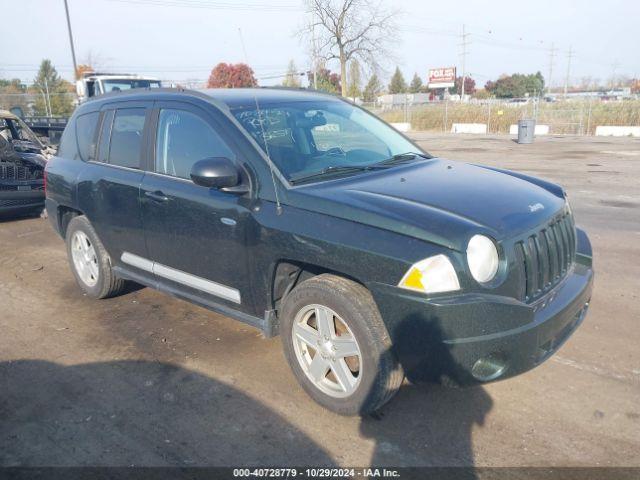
x: 304, y: 215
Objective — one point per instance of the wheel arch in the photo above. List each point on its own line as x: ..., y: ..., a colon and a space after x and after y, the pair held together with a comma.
x: 289, y: 273
x: 64, y: 215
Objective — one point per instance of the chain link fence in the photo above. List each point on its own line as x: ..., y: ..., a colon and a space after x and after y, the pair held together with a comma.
x: 573, y: 117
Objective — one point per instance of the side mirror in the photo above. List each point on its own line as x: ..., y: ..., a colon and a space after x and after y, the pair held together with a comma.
x: 215, y: 172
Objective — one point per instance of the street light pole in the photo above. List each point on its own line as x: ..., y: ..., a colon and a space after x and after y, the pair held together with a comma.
x: 73, y: 51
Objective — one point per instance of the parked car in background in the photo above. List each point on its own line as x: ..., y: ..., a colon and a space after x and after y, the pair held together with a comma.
x: 302, y: 214
x: 22, y: 161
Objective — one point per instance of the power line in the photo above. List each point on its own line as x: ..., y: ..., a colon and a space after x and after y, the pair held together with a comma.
x: 187, y: 68
x: 239, y: 6
x: 429, y: 31
x: 486, y: 36
x: 493, y: 42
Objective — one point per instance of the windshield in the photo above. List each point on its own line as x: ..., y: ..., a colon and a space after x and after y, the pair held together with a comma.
x: 307, y: 137
x: 117, y: 85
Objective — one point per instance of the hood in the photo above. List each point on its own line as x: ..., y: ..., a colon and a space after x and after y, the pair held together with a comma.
x: 22, y: 151
x: 437, y: 200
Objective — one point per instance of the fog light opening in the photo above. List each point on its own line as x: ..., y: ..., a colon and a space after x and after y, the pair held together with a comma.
x: 489, y: 368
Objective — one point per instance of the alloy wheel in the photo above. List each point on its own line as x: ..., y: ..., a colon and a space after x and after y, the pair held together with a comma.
x: 84, y: 258
x: 327, y: 351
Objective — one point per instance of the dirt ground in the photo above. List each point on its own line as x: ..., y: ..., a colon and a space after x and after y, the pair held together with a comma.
x: 146, y: 379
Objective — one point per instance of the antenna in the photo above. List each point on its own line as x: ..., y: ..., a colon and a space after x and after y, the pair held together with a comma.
x: 264, y: 135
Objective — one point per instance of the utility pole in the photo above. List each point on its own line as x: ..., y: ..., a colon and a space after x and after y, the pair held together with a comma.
x: 44, y: 99
x: 552, y: 55
x: 566, y: 80
x: 614, y: 66
x: 73, y: 51
x: 464, y: 58
x: 314, y: 54
x: 48, y: 98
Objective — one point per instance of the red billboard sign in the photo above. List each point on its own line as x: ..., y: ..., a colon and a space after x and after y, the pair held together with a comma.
x: 442, y: 77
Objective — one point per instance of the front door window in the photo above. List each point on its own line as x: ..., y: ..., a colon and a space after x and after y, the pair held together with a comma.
x: 183, y: 139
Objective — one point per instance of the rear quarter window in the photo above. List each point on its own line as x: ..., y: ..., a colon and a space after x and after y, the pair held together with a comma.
x: 86, y: 135
x: 68, y: 147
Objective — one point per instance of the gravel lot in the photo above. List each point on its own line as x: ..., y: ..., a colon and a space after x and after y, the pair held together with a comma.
x: 146, y: 379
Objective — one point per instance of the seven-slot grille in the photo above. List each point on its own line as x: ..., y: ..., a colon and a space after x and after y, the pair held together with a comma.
x: 544, y: 258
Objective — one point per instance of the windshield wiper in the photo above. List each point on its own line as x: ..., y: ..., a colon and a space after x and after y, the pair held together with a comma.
x: 400, y: 158
x: 331, y: 170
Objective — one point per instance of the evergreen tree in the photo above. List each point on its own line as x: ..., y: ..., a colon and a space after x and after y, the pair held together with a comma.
x: 416, y: 84
x: 56, y: 97
x: 292, y: 79
x: 397, y: 85
x: 353, y: 89
x: 372, y: 89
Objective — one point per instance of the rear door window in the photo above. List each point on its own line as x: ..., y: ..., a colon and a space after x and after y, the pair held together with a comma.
x: 86, y: 135
x: 126, y: 137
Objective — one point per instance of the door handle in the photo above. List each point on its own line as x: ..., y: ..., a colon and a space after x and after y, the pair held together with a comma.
x: 157, y: 196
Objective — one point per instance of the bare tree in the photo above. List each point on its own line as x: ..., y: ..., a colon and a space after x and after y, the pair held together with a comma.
x: 95, y: 60
x: 350, y: 29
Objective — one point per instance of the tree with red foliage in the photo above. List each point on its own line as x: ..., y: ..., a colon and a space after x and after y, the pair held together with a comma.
x: 327, y: 80
x: 229, y: 75
x: 469, y: 86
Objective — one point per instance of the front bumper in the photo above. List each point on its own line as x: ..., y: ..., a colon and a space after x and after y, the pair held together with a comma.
x: 474, y: 338
x: 14, y: 201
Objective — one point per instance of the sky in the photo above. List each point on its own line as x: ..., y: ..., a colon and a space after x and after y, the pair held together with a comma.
x: 181, y: 40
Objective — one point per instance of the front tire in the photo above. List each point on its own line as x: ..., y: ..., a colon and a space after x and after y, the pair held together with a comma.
x: 338, y: 347
x: 89, y: 261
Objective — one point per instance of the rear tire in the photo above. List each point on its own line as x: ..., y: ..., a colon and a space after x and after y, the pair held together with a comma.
x: 352, y: 370
x: 90, y: 262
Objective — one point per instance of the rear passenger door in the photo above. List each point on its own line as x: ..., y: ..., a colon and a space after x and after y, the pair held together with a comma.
x: 111, y: 187
x: 195, y: 235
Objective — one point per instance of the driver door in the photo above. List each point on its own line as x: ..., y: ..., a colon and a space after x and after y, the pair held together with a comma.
x: 195, y: 235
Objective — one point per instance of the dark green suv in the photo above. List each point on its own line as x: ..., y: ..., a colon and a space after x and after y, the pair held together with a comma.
x: 301, y: 214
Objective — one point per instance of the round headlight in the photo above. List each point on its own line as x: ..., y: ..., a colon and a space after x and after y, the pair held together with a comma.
x: 482, y: 257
